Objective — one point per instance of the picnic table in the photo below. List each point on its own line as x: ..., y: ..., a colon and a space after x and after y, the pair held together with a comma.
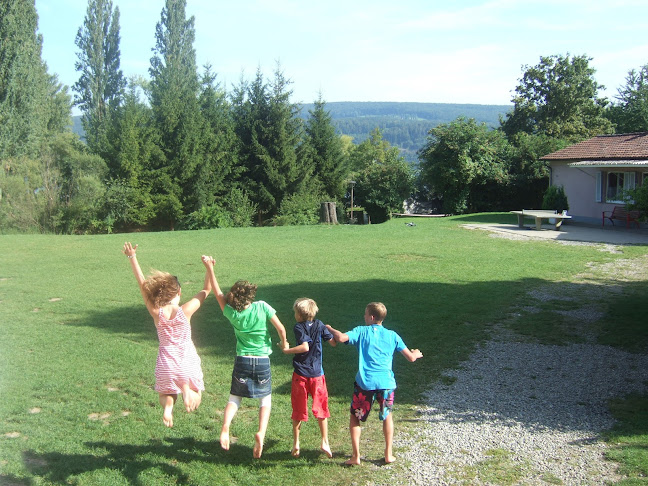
x: 539, y: 215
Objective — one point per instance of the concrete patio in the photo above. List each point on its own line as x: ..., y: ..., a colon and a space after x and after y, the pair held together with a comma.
x: 613, y: 235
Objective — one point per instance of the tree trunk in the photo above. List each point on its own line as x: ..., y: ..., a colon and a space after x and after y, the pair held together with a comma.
x: 328, y: 213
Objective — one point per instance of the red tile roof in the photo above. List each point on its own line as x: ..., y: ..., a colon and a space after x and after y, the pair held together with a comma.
x: 627, y: 146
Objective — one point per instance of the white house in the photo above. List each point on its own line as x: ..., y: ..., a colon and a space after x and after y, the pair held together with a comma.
x: 594, y: 172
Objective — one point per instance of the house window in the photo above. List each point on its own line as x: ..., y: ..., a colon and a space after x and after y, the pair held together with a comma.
x: 616, y: 183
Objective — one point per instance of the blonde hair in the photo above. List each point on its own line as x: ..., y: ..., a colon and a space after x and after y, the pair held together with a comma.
x: 241, y: 295
x: 161, y: 288
x: 306, y: 308
x: 377, y: 310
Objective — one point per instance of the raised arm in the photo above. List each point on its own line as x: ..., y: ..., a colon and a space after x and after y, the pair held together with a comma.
x: 209, y: 263
x: 281, y: 330
x: 340, y: 337
x: 411, y: 355
x: 130, y: 251
x: 196, y: 301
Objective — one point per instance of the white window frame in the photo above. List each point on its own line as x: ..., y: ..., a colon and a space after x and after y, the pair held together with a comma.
x: 629, y: 179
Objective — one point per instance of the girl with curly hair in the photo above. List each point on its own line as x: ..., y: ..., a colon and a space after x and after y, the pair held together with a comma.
x: 177, y: 369
x: 251, y: 377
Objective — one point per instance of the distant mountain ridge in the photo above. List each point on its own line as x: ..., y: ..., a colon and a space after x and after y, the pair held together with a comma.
x: 403, y: 124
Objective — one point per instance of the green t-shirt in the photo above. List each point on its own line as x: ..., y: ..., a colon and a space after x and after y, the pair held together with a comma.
x: 251, y: 328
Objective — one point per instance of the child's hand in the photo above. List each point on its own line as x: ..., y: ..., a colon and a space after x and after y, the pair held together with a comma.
x: 208, y: 261
x: 284, y: 345
x: 129, y: 250
x: 417, y: 353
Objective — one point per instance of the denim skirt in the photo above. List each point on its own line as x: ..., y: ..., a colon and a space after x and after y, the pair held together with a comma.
x: 251, y: 377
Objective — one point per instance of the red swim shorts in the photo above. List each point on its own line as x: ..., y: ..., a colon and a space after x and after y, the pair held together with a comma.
x: 315, y: 387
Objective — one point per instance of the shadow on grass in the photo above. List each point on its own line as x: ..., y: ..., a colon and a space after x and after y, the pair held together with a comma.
x: 170, y: 457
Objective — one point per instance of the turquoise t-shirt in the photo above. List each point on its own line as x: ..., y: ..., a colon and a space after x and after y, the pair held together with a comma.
x: 251, y: 328
x: 376, y: 347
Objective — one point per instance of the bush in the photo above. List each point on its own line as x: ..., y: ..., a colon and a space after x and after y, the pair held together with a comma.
x: 241, y: 209
x: 637, y: 199
x: 555, y: 199
x: 298, y: 209
x: 207, y: 217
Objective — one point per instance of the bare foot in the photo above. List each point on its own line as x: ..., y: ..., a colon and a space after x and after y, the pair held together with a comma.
x: 326, y: 449
x: 354, y: 461
x: 191, y: 398
x: 167, y: 417
x: 389, y: 459
x: 225, y: 440
x: 258, y: 446
x: 295, y: 451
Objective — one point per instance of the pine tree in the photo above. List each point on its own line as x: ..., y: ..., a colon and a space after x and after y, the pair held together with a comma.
x: 219, y: 169
x: 174, y: 99
x: 100, y: 88
x: 270, y: 133
x: 331, y: 164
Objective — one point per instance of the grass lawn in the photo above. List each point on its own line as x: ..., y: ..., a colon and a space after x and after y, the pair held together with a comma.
x: 78, y: 348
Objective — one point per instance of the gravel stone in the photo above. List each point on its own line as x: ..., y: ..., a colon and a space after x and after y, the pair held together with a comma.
x: 545, y: 405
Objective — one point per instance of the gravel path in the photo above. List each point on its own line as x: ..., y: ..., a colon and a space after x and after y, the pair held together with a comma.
x: 535, y: 411
x: 538, y: 408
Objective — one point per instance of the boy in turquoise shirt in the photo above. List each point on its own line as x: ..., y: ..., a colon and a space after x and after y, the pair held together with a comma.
x: 375, y: 379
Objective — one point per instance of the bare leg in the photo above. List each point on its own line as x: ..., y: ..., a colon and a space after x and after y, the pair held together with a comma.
x: 325, y: 447
x: 167, y: 402
x: 296, y: 424
x: 230, y: 410
x: 190, y: 398
x: 264, y: 417
x: 388, y: 432
x: 354, y: 428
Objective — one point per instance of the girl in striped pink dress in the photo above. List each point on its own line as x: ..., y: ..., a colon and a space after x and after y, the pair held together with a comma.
x: 178, y: 365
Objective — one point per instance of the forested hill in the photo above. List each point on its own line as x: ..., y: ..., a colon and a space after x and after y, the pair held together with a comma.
x: 404, y: 125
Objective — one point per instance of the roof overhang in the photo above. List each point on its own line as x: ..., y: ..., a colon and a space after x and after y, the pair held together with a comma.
x: 610, y: 163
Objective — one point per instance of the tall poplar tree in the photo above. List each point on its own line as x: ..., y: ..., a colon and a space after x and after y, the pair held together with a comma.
x: 174, y: 92
x: 100, y: 88
x: 25, y: 86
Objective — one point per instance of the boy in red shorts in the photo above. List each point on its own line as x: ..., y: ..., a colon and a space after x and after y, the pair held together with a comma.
x: 308, y: 376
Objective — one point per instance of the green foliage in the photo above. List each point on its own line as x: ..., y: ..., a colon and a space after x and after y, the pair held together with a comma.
x: 528, y: 175
x: 269, y: 134
x: 467, y: 165
x: 124, y: 207
x: 559, y: 98
x: 299, y: 209
x: 555, y: 199
x: 174, y: 91
x: 32, y: 103
x: 207, y: 217
x: 101, y: 85
x: 240, y: 208
x: 637, y: 199
x: 630, y: 112
x: 383, y: 178
x: 330, y: 161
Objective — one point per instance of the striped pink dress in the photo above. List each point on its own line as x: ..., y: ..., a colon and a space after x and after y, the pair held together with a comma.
x: 177, y: 360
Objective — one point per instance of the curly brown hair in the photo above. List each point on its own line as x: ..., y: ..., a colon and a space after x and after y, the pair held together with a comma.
x: 241, y: 294
x: 161, y: 288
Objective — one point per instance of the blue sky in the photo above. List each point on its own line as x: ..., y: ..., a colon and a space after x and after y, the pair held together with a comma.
x: 470, y: 51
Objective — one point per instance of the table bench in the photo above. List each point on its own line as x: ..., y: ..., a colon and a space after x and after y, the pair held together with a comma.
x: 621, y: 213
x: 539, y: 215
